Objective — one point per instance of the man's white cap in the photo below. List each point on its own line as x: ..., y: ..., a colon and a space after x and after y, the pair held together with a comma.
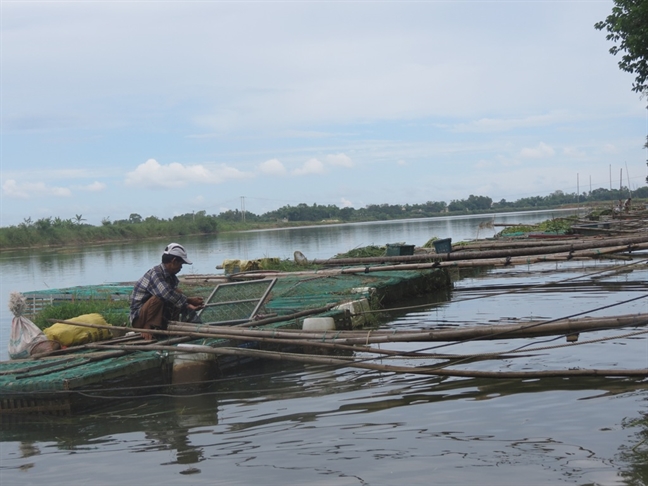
x: 177, y: 250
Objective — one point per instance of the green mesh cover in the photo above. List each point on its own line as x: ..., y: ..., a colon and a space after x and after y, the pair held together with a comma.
x: 235, y: 301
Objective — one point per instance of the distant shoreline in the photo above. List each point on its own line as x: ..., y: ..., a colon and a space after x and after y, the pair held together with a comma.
x: 281, y: 225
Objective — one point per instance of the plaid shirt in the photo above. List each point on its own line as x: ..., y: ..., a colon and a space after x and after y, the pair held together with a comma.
x: 157, y: 281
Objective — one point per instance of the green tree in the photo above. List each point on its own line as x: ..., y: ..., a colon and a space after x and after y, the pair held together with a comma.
x: 43, y: 224
x: 627, y: 27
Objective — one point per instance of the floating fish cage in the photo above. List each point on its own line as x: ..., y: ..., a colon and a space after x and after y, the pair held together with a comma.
x: 38, y: 300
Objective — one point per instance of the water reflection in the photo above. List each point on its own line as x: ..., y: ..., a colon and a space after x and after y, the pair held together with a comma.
x: 310, y: 417
x: 635, y: 454
x: 166, y: 424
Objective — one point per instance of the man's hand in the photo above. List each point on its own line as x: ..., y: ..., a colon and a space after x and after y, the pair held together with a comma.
x: 195, y: 303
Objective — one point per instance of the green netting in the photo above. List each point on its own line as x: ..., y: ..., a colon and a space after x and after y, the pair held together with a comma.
x: 235, y: 301
x: 294, y: 294
x: 84, y: 292
x: 68, y: 373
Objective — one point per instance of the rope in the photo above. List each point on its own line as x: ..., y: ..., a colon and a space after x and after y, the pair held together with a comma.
x: 454, y: 362
x: 496, y: 294
x: 539, y: 323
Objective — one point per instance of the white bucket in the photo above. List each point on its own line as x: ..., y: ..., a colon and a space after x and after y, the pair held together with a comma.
x: 191, y: 367
x: 358, y: 309
x: 319, y: 324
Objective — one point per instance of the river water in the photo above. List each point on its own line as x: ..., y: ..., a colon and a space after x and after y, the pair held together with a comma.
x: 297, y: 424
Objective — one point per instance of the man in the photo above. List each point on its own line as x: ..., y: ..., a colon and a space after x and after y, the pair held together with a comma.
x: 156, y: 299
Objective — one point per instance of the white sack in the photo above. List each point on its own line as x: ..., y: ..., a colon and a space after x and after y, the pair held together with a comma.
x: 24, y: 333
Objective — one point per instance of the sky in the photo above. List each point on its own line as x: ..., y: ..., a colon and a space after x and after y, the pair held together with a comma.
x: 162, y: 108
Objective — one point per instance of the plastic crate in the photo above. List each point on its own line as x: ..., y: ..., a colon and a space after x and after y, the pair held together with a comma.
x: 399, y: 250
x: 443, y: 246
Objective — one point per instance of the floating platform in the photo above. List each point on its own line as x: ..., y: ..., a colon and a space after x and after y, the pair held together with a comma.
x: 79, y: 378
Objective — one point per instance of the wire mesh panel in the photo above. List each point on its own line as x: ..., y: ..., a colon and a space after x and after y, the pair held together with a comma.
x: 235, y: 302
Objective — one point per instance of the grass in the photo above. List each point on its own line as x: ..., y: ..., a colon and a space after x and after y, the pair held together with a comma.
x: 554, y: 226
x: 363, y: 252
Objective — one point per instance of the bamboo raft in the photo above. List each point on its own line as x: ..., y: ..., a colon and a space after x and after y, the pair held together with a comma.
x: 74, y: 379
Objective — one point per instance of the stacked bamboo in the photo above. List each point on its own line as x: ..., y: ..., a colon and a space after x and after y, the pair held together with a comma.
x: 361, y: 344
x: 518, y: 251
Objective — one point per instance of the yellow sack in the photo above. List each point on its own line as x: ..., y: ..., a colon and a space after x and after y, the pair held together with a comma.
x: 236, y: 266
x: 71, y: 335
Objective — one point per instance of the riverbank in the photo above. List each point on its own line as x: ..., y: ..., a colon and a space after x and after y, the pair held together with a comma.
x: 66, y: 234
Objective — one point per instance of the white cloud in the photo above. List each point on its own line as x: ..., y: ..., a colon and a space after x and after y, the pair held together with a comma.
x: 175, y: 175
x: 345, y: 203
x: 541, y: 151
x: 305, y: 134
x: 311, y: 166
x: 94, y: 187
x: 341, y: 160
x: 483, y: 164
x: 366, y: 66
x: 27, y: 190
x: 489, y: 125
x: 574, y: 152
x: 341, y: 79
x: 272, y: 167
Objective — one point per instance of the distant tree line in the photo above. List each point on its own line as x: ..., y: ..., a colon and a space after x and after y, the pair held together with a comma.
x: 473, y: 204
x: 57, y: 231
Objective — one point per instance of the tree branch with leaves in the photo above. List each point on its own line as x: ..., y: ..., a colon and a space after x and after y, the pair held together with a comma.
x: 627, y: 27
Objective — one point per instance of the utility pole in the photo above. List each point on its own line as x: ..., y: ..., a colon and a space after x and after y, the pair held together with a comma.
x: 243, y: 208
x: 628, y: 178
x: 577, y: 189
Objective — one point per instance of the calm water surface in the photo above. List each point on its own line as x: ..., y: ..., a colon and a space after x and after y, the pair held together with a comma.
x: 297, y: 424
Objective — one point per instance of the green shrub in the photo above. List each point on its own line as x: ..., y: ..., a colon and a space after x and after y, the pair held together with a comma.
x: 363, y: 252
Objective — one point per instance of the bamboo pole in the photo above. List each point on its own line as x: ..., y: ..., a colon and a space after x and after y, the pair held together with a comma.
x: 506, y: 261
x: 178, y: 330
x: 480, y: 245
x: 499, y: 331
x: 361, y: 364
x: 315, y: 359
x: 515, y: 252
x: 467, y: 263
x: 480, y: 332
x: 313, y: 343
